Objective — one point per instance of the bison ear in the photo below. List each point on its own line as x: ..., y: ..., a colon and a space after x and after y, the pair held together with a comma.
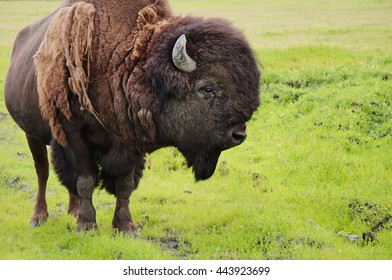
x: 166, y: 82
x: 169, y: 84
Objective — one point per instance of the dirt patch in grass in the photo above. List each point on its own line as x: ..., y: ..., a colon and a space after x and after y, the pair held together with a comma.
x: 298, y: 84
x: 377, y: 217
x: 3, y: 116
x: 280, y: 247
x: 174, y: 245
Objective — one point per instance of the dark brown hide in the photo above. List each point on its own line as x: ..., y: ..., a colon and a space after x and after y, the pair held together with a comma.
x: 21, y: 98
x: 109, y: 92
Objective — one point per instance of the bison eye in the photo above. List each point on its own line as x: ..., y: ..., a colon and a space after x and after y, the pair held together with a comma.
x: 208, y: 92
x: 208, y: 89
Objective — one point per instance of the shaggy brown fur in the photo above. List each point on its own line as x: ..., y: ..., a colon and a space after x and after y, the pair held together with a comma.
x: 66, y: 53
x: 128, y: 79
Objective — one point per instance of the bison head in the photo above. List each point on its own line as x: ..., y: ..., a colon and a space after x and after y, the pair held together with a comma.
x: 207, y: 80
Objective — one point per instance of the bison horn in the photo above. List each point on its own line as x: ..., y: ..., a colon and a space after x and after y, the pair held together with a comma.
x: 180, y: 57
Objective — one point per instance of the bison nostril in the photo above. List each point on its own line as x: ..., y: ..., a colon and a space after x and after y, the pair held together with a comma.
x: 238, y: 137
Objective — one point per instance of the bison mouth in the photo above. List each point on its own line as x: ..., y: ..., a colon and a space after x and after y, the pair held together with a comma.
x: 203, y: 164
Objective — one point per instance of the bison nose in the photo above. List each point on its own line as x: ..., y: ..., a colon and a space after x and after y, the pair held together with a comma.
x: 238, y: 136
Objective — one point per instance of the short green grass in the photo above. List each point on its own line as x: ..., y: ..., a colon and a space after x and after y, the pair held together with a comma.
x: 316, y: 167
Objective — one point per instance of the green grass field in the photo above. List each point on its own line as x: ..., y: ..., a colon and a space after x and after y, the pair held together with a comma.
x: 314, y: 174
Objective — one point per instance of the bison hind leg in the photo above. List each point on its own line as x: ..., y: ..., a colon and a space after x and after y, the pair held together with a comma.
x: 73, y: 204
x: 41, y: 164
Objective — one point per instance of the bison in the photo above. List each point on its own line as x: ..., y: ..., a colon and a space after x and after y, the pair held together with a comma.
x: 106, y: 82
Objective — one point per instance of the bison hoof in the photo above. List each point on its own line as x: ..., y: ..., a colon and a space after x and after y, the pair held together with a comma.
x: 132, y: 234
x: 73, y: 205
x: 74, y: 211
x: 129, y: 230
x: 38, y: 219
x: 85, y: 227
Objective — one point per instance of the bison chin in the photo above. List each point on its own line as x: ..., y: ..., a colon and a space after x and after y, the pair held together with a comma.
x: 203, y: 164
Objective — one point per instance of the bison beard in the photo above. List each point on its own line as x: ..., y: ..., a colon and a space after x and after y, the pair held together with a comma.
x: 203, y: 164
x: 118, y: 79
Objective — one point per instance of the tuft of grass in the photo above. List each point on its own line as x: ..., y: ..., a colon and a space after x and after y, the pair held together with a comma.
x: 311, y: 181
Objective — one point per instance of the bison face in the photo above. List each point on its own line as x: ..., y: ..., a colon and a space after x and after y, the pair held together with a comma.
x: 208, y: 84
x: 213, y: 123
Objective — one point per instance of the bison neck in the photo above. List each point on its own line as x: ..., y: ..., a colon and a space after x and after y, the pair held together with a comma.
x: 122, y: 98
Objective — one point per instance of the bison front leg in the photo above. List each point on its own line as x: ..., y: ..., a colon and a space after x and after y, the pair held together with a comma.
x: 122, y: 220
x: 79, y: 174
